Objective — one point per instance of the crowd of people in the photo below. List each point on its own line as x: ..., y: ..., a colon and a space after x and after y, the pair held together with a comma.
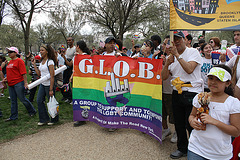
x: 184, y: 63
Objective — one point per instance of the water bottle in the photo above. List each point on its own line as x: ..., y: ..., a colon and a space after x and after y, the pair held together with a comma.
x: 224, y: 46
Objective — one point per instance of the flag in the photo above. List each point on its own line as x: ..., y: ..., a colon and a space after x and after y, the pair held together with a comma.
x: 136, y: 36
x: 119, y: 92
x: 62, y: 47
x: 116, y: 46
x: 204, y: 15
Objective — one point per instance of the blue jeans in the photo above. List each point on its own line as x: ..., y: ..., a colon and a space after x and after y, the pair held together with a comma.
x: 43, y: 91
x: 17, y: 91
x: 193, y: 156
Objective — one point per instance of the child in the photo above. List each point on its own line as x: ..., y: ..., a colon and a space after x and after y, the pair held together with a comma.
x: 211, y: 137
x: 35, y: 77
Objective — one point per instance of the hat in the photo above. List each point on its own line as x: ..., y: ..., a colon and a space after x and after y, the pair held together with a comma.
x: 201, y: 41
x: 109, y: 39
x: 200, y: 36
x: 14, y: 49
x: 137, y: 45
x: 37, y: 57
x: 179, y: 34
x: 220, y: 73
x: 124, y: 48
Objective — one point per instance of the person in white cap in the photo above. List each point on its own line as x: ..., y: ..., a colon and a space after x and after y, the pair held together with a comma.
x: 17, y: 82
x: 211, y: 137
x: 184, y: 67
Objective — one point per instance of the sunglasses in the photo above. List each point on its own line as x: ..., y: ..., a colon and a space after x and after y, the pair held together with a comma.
x: 11, y: 52
x: 211, y: 41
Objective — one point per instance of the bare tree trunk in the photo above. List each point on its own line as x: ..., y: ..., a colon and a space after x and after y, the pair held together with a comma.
x: 26, y: 43
x: 120, y: 37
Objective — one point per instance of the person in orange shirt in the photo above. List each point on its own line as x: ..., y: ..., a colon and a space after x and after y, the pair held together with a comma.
x: 17, y: 82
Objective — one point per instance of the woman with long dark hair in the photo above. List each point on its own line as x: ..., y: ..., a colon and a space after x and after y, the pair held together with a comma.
x: 48, y: 61
x: 81, y: 48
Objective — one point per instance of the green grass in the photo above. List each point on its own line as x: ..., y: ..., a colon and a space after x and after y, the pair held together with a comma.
x: 26, y: 125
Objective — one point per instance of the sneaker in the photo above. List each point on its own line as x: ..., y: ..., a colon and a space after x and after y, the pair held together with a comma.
x: 41, y: 124
x: 67, y: 101
x: 177, y: 154
x: 112, y: 129
x: 165, y: 133
x: 174, y: 138
x: 71, y: 103
x: 50, y: 123
x: 9, y: 97
x: 9, y: 119
x: 1, y: 95
x: 79, y: 123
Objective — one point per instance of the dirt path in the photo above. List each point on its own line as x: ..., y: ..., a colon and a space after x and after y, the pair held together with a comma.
x: 88, y: 142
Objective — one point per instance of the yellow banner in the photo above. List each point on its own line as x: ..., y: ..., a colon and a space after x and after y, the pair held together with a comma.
x: 204, y: 14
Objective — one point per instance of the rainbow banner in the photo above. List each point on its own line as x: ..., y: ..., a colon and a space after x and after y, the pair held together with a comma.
x: 204, y: 15
x: 119, y: 92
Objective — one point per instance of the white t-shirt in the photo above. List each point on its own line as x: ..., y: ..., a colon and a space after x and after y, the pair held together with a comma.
x: 45, y: 71
x: 108, y: 54
x: 213, y: 143
x: 111, y: 54
x: 205, y: 68
x: 70, y: 52
x: 231, y: 63
x: 190, y: 54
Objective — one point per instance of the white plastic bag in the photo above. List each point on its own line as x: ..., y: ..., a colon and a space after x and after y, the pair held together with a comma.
x: 53, y: 107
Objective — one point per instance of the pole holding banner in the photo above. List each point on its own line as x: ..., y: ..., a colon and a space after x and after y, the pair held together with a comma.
x: 171, y: 38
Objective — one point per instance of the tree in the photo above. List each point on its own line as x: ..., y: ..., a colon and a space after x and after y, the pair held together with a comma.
x: 2, y: 10
x: 158, y: 24
x: 48, y: 34
x: 24, y: 10
x: 222, y: 35
x: 66, y: 20
x: 11, y: 36
x: 118, y: 16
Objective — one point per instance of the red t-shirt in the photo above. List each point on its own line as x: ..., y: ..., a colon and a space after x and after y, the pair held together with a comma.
x: 0, y: 68
x: 15, y: 70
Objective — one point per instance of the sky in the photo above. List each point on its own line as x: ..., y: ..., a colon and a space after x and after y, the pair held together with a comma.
x: 42, y: 18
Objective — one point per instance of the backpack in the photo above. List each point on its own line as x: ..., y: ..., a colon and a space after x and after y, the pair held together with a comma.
x: 58, y: 79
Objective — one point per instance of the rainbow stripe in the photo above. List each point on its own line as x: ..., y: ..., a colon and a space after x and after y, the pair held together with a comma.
x: 116, y: 46
x: 136, y: 36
